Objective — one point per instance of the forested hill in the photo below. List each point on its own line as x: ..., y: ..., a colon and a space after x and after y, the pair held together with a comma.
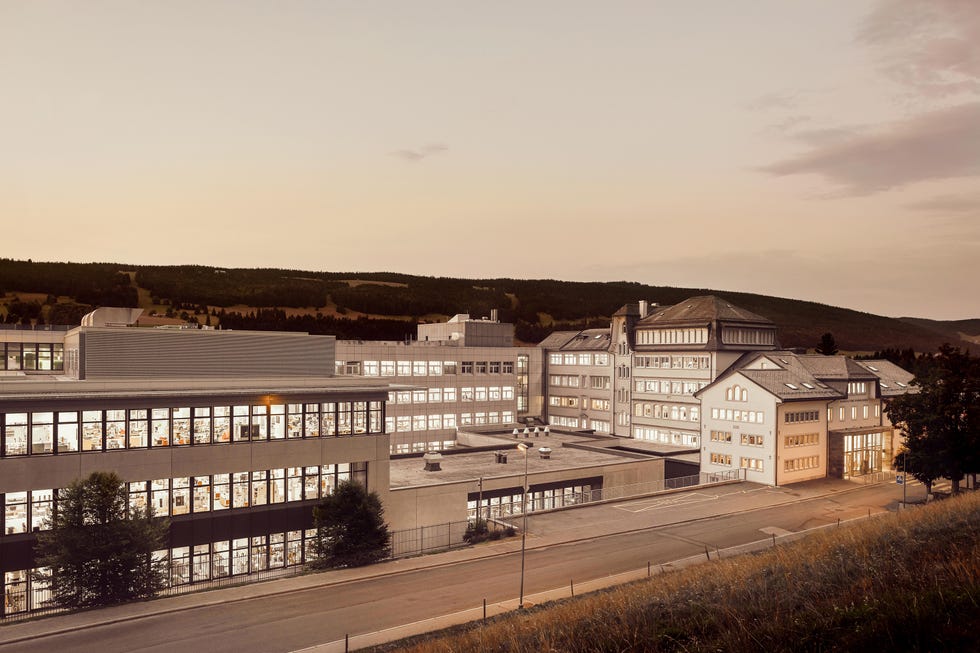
x: 386, y: 305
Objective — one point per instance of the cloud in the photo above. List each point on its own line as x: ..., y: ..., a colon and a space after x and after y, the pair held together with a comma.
x: 949, y: 204
x: 416, y: 155
x: 938, y: 144
x: 931, y: 48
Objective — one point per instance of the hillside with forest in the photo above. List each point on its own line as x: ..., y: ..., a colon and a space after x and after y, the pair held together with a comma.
x: 388, y: 305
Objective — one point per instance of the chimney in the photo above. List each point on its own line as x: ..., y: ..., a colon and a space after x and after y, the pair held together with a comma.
x: 433, y: 461
x: 644, y: 307
x: 493, y: 315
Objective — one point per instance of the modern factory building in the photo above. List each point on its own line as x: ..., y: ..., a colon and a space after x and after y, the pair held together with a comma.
x: 235, y: 435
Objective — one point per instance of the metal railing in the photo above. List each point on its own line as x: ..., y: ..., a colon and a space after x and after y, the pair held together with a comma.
x: 404, y: 543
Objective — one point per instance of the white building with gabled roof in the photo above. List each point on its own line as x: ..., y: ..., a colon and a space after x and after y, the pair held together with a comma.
x: 784, y: 417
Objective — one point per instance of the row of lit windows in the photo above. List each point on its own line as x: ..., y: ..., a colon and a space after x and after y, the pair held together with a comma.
x: 862, y: 441
x: 675, y: 412
x: 563, y: 402
x: 561, y: 420
x: 51, y: 432
x: 581, y: 358
x: 601, y: 426
x: 736, y: 393
x: 478, y: 419
x: 857, y: 387
x: 721, y: 436
x: 687, y: 336
x: 439, y: 395
x: 731, y: 415
x: 753, y: 464
x: 802, y: 439
x: 746, y: 336
x: 721, y: 458
x: 798, y: 464
x: 422, y: 368
x: 564, y: 380
x: 419, y: 447
x: 865, y: 412
x: 663, y: 386
x: 32, y: 356
x: 550, y: 499
x: 666, y: 436
x: 23, y: 592
x: 795, y: 417
x: 673, y: 362
x: 196, y: 494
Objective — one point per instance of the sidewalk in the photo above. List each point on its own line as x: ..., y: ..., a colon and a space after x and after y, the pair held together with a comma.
x: 544, y: 530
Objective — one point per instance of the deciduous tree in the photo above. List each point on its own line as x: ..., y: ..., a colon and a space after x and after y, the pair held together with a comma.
x: 941, y: 419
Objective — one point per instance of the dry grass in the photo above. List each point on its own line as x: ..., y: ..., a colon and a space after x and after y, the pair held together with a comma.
x: 908, y: 582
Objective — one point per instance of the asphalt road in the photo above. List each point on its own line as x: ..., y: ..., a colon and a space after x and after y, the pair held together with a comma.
x: 305, y: 618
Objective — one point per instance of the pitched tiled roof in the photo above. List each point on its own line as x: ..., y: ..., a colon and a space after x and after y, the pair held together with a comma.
x: 557, y: 339
x: 587, y: 340
x: 834, y: 368
x: 793, y: 381
x: 894, y: 380
x: 627, y: 310
x: 704, y: 309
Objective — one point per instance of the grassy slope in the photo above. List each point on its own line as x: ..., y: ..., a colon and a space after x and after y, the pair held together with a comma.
x: 909, y: 581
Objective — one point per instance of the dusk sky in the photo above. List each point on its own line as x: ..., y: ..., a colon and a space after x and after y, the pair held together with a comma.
x: 826, y: 150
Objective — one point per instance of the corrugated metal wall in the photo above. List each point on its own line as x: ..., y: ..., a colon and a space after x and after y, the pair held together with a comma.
x: 114, y: 353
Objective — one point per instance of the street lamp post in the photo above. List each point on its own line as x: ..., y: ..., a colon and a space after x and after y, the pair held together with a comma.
x: 523, y: 447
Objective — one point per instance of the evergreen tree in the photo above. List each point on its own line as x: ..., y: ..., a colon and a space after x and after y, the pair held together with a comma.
x: 350, y: 526
x: 941, y: 419
x: 99, y: 551
x: 827, y: 345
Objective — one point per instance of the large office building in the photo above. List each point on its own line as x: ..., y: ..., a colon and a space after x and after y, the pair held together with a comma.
x: 637, y: 378
x: 236, y: 434
x: 457, y: 374
x: 233, y: 435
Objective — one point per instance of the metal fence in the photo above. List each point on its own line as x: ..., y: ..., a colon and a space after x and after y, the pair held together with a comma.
x: 404, y: 543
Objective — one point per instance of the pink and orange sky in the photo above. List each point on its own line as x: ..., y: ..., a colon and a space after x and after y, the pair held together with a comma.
x: 824, y: 150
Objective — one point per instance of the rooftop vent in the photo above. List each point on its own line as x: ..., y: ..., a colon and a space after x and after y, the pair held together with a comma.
x: 433, y: 461
x: 545, y: 453
x: 500, y: 457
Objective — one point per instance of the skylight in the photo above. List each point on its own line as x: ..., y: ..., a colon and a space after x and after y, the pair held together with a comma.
x: 900, y: 384
x: 872, y: 368
x: 884, y: 385
x: 807, y: 385
x: 791, y: 386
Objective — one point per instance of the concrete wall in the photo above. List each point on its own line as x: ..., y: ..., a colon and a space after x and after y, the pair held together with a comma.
x: 416, y: 507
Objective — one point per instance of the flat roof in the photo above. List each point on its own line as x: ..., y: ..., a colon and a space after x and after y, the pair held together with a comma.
x: 462, y: 465
x: 46, y: 389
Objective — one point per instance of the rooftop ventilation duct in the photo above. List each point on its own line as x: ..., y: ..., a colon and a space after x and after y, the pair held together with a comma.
x: 433, y: 461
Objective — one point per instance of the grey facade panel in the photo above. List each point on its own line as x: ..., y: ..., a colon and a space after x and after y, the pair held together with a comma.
x: 139, y: 353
